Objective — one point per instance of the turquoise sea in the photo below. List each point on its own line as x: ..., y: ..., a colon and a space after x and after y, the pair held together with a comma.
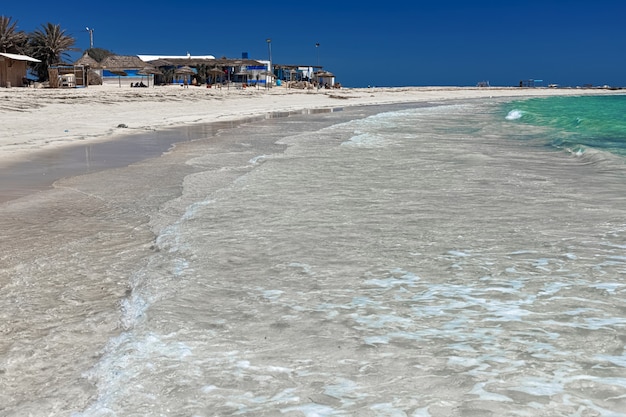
x: 461, y: 258
x: 577, y: 124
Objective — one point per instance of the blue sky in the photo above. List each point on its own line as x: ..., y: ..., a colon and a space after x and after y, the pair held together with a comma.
x: 432, y: 42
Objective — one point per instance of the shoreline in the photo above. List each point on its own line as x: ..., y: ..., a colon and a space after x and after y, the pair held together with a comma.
x: 36, y: 120
x: 50, y: 134
x: 44, y: 168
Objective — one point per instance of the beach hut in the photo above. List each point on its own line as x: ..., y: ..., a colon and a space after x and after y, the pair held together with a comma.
x: 87, y: 61
x: 13, y: 69
x: 67, y: 76
x: 92, y: 70
x: 114, y: 65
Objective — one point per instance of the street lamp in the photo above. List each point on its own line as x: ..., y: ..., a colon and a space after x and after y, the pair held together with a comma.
x: 269, y: 53
x: 269, y: 49
x: 317, y: 48
x: 90, y: 37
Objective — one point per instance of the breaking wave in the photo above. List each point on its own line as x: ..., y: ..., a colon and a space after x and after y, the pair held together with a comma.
x: 514, y: 115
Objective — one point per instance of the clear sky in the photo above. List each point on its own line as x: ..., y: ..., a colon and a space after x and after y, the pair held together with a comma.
x: 377, y: 43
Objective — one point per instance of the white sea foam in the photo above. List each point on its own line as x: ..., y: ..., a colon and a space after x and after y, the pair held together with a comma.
x: 126, y: 358
x: 514, y: 115
x: 365, y: 140
x: 133, y: 309
x: 272, y: 295
x: 403, y: 278
x: 257, y: 159
x: 459, y: 254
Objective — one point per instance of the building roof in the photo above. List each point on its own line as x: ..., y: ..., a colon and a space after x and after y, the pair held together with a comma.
x: 194, y: 60
x: 227, y: 62
x: 17, y: 57
x: 122, y: 62
x: 147, y: 58
x: 87, y: 61
x: 221, y: 62
x: 166, y: 62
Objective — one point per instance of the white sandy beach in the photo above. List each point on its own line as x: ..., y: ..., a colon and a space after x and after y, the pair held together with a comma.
x: 38, y: 119
x: 393, y: 260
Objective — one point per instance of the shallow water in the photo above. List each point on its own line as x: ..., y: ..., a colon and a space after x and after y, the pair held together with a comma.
x: 382, y: 261
x: 577, y: 124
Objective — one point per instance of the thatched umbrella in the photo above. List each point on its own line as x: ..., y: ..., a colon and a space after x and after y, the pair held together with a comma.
x: 161, y: 63
x: 184, y: 71
x: 120, y: 74
x: 147, y: 71
x: 215, y: 72
x: 323, y: 74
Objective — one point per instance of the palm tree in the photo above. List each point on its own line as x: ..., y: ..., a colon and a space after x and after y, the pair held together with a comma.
x: 49, y: 44
x: 99, y: 54
x: 168, y: 75
x: 202, y: 75
x: 11, y: 40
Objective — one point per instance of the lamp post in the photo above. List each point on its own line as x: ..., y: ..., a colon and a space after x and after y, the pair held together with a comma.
x: 317, y: 49
x: 90, y: 37
x: 269, y: 53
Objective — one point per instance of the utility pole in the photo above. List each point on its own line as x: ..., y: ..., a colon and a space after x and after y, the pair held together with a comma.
x: 269, y: 66
x: 317, y: 48
x: 90, y: 37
